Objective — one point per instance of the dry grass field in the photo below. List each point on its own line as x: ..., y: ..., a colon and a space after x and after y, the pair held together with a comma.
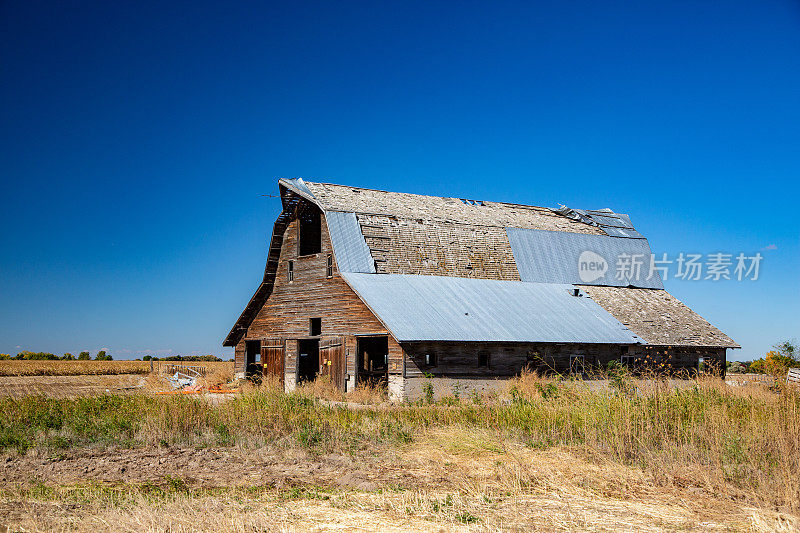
x: 545, y: 455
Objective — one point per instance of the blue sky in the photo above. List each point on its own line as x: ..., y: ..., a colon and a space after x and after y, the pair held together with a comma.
x: 136, y: 140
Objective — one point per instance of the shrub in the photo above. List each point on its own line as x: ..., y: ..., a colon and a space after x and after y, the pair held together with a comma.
x: 778, y: 361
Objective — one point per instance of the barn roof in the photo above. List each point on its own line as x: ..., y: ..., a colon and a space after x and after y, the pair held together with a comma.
x: 415, y: 236
x: 443, y: 308
x: 658, y: 317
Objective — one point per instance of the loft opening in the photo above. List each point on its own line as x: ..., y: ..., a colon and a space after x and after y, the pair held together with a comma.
x: 309, y: 232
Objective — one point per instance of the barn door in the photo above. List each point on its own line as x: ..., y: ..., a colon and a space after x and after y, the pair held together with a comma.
x: 332, y: 359
x: 272, y: 358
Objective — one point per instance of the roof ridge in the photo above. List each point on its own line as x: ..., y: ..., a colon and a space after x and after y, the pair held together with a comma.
x: 457, y: 198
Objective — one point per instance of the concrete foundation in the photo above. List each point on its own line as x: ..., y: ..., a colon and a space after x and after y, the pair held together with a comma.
x: 350, y: 383
x: 442, y: 387
x: 289, y: 382
x: 397, y: 387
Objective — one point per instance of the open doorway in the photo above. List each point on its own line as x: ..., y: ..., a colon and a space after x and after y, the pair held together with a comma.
x: 307, y: 359
x: 252, y: 359
x: 373, y: 360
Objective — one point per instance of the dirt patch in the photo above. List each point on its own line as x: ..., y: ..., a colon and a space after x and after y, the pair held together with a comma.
x: 217, y: 467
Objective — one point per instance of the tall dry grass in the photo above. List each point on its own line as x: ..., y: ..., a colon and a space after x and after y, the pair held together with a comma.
x: 739, y: 442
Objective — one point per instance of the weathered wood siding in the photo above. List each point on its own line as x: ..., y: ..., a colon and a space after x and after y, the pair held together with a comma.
x: 460, y: 359
x: 312, y: 294
x: 238, y: 356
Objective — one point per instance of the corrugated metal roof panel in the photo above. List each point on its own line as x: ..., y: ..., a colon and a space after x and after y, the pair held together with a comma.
x: 561, y: 257
x: 610, y: 220
x: 622, y: 232
x: 442, y: 308
x: 352, y: 252
x: 299, y: 186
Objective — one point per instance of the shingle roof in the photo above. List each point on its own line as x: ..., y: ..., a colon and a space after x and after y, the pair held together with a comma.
x: 397, y: 205
x: 658, y: 317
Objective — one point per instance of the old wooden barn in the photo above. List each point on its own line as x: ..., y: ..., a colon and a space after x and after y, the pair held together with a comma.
x: 392, y: 288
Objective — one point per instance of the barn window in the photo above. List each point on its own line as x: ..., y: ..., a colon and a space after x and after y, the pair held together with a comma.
x: 329, y: 266
x: 290, y: 272
x: 627, y: 361
x: 309, y: 233
x: 315, y: 327
x: 576, y: 364
x: 430, y: 359
x: 483, y: 359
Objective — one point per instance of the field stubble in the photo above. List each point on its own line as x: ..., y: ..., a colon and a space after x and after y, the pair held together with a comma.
x: 95, y: 368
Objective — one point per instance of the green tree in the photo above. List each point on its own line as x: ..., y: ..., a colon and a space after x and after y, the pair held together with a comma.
x: 84, y: 356
x: 68, y: 357
x: 778, y: 361
x: 36, y: 356
x: 102, y: 356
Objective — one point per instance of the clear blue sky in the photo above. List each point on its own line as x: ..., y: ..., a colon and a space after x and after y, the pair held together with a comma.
x: 137, y: 137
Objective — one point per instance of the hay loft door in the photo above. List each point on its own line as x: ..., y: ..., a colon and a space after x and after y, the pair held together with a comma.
x: 332, y: 360
x: 272, y: 358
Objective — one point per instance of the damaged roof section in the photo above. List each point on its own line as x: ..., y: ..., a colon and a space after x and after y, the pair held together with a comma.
x: 435, y: 208
x: 613, y: 224
x: 439, y: 308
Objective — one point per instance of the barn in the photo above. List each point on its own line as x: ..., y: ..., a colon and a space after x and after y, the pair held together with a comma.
x: 402, y: 290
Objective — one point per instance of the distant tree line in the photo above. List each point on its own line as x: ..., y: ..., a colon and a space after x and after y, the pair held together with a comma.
x: 777, y: 362
x: 102, y: 355
x: 26, y: 355
x: 199, y: 358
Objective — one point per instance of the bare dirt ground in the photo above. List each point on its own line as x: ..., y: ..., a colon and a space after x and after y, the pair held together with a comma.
x: 446, y: 481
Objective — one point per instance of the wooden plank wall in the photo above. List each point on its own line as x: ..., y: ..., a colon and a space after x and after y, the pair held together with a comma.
x: 456, y: 359
x: 287, y: 311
